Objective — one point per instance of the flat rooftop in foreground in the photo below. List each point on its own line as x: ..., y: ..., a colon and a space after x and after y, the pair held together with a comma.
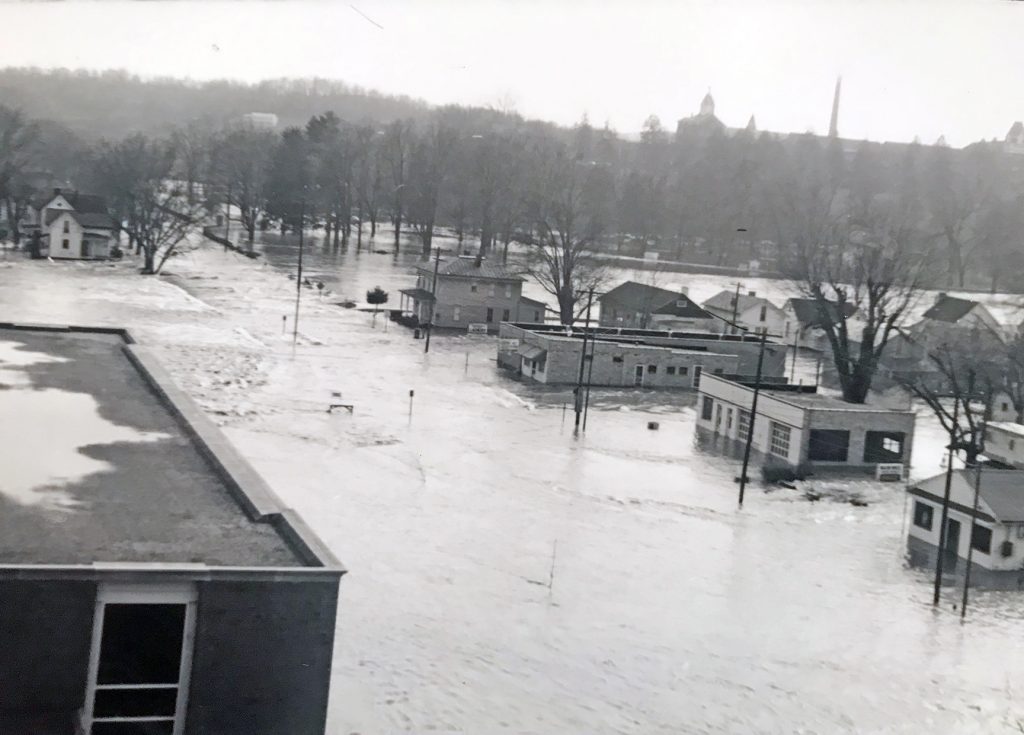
x: 104, y: 460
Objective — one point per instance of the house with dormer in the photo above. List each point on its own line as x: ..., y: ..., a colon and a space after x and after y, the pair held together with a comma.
x: 71, y: 226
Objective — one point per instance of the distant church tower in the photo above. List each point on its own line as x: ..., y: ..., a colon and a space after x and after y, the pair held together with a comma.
x: 707, y: 105
x: 833, y: 126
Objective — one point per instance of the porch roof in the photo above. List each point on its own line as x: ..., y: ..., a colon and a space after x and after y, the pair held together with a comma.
x: 419, y: 294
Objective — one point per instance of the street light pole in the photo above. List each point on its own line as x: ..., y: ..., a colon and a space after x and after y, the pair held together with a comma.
x: 753, y: 417
x: 298, y: 278
x: 433, y: 300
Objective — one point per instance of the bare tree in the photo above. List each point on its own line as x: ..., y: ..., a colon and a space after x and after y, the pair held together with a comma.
x: 863, y: 274
x: 152, y: 208
x: 18, y: 137
x: 429, y: 167
x: 395, y: 149
x: 967, y: 365
x: 243, y: 159
x: 193, y: 144
x: 565, y: 229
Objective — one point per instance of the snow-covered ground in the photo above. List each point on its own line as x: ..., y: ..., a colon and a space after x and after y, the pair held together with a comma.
x: 668, y: 609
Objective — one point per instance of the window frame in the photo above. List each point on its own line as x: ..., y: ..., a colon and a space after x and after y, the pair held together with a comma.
x: 927, y: 512
x: 142, y: 594
x: 707, y: 409
x: 775, y: 439
x: 976, y: 544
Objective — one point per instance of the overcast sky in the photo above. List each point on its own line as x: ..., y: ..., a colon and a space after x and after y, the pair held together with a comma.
x: 909, y: 68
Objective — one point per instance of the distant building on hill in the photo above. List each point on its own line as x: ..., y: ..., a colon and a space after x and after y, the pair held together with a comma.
x: 260, y: 120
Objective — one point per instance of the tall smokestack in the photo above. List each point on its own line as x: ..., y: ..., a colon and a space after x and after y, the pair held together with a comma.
x: 833, y: 126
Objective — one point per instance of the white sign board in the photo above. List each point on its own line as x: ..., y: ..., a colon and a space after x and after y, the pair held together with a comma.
x: 889, y: 471
x: 508, y: 345
x: 477, y: 329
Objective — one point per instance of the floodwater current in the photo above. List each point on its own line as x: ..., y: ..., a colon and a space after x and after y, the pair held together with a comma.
x: 508, y: 576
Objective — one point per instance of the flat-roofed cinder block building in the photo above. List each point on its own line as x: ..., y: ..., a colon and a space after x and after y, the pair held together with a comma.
x: 150, y: 582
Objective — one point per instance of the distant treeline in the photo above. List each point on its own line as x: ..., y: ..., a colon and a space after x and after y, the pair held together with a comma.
x: 113, y: 104
x: 703, y: 193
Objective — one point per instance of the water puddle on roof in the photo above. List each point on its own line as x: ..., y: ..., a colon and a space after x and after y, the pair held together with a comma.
x: 43, y: 431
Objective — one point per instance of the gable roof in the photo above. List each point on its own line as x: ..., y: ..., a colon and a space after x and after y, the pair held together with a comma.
x: 682, y: 306
x: 94, y: 220
x: 723, y: 300
x: 808, y: 313
x: 1001, y: 490
x: 467, y: 268
x: 949, y: 309
x: 639, y: 296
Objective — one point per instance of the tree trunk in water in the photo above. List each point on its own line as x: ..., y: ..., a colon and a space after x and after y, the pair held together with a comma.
x: 327, y: 230
x: 251, y: 232
x: 398, y: 230
x: 566, y: 308
x: 337, y: 227
x: 148, y: 261
x: 373, y: 226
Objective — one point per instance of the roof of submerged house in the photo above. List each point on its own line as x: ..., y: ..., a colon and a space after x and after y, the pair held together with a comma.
x: 723, y: 300
x: 949, y: 309
x: 467, y: 268
x: 1001, y: 490
x: 109, y: 462
x: 639, y: 295
x: 682, y: 306
x: 808, y: 311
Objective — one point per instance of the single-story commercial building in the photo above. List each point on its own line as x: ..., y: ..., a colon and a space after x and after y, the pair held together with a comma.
x: 796, y: 425
x: 150, y: 581
x: 629, y: 357
x: 995, y: 530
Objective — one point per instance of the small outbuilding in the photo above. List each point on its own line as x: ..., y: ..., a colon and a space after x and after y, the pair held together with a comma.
x: 995, y: 530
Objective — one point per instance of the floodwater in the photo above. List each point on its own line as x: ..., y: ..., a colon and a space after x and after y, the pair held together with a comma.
x: 45, y: 431
x: 506, y: 575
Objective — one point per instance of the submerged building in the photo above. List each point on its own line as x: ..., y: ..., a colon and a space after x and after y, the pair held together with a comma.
x: 799, y: 427
x: 640, y: 358
x: 992, y: 533
x: 150, y: 581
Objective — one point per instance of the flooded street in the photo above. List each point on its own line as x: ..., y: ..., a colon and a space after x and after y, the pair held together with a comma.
x: 505, y: 575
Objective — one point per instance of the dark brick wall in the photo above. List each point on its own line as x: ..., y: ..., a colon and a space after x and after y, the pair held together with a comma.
x: 262, y: 659
x: 45, y: 634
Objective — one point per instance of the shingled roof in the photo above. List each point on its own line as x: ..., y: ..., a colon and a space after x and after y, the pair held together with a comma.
x: 808, y: 312
x: 639, y: 296
x: 723, y: 300
x: 682, y: 306
x: 949, y: 309
x: 1002, y: 491
x: 467, y: 268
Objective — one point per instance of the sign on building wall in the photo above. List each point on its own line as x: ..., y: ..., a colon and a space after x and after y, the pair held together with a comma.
x: 508, y: 345
x: 477, y: 329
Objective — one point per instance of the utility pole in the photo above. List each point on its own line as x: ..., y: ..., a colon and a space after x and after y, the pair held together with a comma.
x: 945, y: 505
x: 970, y: 545
x: 433, y: 299
x: 227, y: 217
x: 298, y: 278
x: 974, y: 509
x: 583, y: 363
x: 590, y: 375
x: 736, y: 305
x: 753, y: 416
x: 792, y: 364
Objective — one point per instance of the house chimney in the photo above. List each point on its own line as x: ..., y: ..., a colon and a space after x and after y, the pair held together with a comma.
x: 56, y: 191
x: 752, y: 293
x: 939, y: 297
